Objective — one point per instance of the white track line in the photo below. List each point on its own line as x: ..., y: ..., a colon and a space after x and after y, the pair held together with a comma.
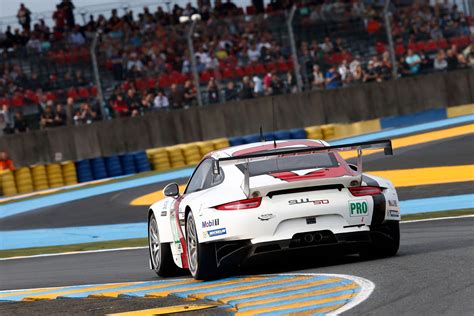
x: 145, y: 247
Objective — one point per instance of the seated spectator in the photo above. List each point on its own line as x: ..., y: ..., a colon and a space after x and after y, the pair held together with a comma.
x: 190, y: 93
x: 440, y: 62
x: 414, y: 61
x: 253, y: 52
x: 318, y: 78
x: 60, y: 117
x: 5, y: 162
x: 176, y: 99
x: 132, y: 99
x: 212, y: 91
x: 120, y: 107
x: 161, y: 101
x: 327, y: 46
x: 21, y: 126
x: 332, y: 79
x: 231, y: 92
x: 47, y: 117
x: 85, y: 115
x: 146, y: 103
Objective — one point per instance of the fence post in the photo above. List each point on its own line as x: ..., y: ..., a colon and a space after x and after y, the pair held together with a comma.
x: 294, y: 54
x: 192, y: 56
x: 95, y: 67
x: 391, y: 48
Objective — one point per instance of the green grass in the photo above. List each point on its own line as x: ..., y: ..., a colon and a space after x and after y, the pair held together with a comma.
x: 139, y: 242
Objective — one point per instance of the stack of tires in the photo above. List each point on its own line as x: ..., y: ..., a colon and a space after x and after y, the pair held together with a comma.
x: 205, y: 147
x: 84, y: 171
x: 282, y: 135
x: 236, y: 141
x: 249, y: 139
x: 329, y: 131
x: 128, y: 164
x: 69, y: 173
x: 298, y: 133
x: 191, y: 154
x: 176, y: 156
x: 23, y: 180
x: 7, y: 183
x: 220, y: 143
x: 98, y: 168
x: 314, y: 132
x: 55, y: 175
x: 113, y: 166
x: 141, y: 161
x: 159, y: 159
x: 40, y: 179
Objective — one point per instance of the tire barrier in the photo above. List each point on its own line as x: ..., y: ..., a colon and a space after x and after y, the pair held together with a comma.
x: 55, y: 175
x: 249, y: 139
x: 128, y: 164
x: 98, y: 168
x: 314, y: 132
x: 328, y: 131
x: 40, y: 178
x: 236, y: 141
x: 69, y: 172
x: 269, y: 136
x: 298, y: 133
x: 160, y: 159
x: 221, y: 143
x: 191, y: 153
x: 141, y: 161
x: 113, y: 166
x: 176, y: 156
x: 84, y: 171
x: 205, y: 147
x: 7, y: 183
x: 24, y: 183
x: 282, y: 135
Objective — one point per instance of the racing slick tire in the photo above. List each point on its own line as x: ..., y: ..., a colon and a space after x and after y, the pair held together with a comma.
x: 201, y: 257
x: 160, y: 253
x: 385, y: 241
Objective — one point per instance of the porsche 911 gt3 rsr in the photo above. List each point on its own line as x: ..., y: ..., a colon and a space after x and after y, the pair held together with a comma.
x: 269, y: 197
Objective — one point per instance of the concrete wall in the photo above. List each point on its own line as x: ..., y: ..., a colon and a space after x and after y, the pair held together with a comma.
x: 362, y: 102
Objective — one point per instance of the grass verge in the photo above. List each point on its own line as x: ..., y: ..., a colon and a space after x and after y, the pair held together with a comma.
x: 140, y: 242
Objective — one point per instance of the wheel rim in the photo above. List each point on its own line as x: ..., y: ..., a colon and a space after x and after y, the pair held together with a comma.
x: 154, y: 243
x: 192, y: 245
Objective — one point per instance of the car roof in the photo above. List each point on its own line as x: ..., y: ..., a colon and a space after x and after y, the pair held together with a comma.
x: 236, y: 151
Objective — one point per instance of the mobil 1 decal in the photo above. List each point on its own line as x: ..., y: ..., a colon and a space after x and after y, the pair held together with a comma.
x: 358, y: 208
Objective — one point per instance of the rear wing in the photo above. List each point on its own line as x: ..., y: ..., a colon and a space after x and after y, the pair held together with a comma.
x: 386, y: 145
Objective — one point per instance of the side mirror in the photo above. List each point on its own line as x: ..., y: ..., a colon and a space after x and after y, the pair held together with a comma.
x: 171, y: 190
x: 353, y: 167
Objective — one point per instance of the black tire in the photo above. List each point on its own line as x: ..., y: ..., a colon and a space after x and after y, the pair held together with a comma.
x: 385, y: 241
x: 161, y: 261
x: 202, y: 261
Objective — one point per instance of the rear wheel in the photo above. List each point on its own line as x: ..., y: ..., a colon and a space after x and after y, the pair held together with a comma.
x: 385, y: 241
x: 160, y: 253
x: 201, y: 257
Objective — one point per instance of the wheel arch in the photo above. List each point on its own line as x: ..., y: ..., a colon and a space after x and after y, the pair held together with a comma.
x: 164, y: 225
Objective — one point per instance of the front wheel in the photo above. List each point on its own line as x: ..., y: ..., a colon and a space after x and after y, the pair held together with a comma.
x: 201, y: 257
x: 385, y: 241
x: 160, y: 253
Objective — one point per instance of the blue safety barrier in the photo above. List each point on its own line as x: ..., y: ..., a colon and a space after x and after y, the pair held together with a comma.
x: 235, y: 141
x: 84, y: 171
x: 128, y: 164
x: 98, y: 168
x: 254, y: 138
x: 298, y: 133
x: 280, y: 135
x: 269, y: 136
x: 141, y: 161
x: 113, y: 166
x: 413, y: 119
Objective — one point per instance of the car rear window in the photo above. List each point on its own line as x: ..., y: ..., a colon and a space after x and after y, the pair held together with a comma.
x: 291, y: 163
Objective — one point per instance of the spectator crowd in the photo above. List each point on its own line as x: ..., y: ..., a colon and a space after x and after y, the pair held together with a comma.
x: 145, y: 60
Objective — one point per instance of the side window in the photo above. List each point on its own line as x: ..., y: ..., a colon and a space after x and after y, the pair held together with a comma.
x: 200, y: 177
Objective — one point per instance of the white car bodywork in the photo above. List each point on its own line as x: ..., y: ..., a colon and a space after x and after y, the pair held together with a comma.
x: 293, y: 203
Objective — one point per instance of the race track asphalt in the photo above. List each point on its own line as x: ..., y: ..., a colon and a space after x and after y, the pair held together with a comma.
x: 433, y: 274
x: 115, y: 208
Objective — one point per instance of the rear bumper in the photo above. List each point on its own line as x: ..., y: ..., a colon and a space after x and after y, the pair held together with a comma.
x: 236, y: 253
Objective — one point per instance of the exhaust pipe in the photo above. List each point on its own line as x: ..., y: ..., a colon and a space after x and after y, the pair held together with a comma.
x: 308, y: 238
x: 317, y: 237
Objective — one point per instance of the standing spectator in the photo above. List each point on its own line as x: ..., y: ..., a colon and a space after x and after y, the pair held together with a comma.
x: 231, y: 92
x: 21, y: 125
x: 332, y: 78
x: 8, y: 119
x: 24, y: 17
x: 68, y: 8
x: 344, y: 72
x: 190, y: 93
x: 318, y: 78
x: 212, y: 91
x: 59, y: 19
x: 60, y: 117
x: 414, y: 62
x: 85, y: 115
x: 120, y: 107
x: 132, y: 99
x: 452, y: 59
x: 161, y: 101
x: 69, y: 110
x: 47, y: 117
x: 291, y: 84
x: 176, y: 97
x: 3, y: 124
x: 5, y: 162
x: 247, y: 89
x: 468, y: 53
x: 440, y: 62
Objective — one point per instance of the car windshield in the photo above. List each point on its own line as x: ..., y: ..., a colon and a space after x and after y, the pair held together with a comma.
x: 291, y: 163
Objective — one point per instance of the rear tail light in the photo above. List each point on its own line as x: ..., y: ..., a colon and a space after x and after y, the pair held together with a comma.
x: 240, y: 205
x: 366, y: 190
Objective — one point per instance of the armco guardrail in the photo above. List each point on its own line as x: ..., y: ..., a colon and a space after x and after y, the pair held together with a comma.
x: 358, y: 103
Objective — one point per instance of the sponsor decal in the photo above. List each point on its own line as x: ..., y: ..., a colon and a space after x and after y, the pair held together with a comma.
x: 394, y: 213
x: 392, y: 203
x: 217, y: 232
x: 358, y: 208
x: 266, y: 217
x: 163, y: 213
x: 210, y: 223
x: 165, y: 205
x: 307, y: 200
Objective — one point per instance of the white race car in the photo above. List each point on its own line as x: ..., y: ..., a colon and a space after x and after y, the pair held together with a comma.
x: 269, y: 197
